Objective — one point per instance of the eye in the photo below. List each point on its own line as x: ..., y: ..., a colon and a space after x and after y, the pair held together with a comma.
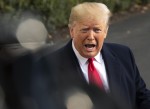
x: 97, y: 30
x: 84, y: 30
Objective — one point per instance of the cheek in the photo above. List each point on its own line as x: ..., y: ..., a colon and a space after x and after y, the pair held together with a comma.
x: 78, y: 40
x: 74, y: 35
x: 100, y: 39
x: 78, y: 36
x: 102, y: 36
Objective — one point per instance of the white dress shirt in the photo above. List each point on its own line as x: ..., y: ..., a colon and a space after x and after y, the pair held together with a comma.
x: 98, y: 63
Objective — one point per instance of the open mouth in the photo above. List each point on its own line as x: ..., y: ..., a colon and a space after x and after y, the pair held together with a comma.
x: 90, y: 45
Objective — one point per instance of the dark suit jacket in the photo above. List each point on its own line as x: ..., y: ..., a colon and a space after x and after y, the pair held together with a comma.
x: 43, y: 82
x: 125, y: 82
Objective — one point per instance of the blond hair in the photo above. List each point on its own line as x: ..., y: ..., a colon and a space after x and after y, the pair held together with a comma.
x: 87, y: 10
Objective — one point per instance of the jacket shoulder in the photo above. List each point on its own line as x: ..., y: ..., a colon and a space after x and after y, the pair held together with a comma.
x: 123, y: 52
x: 116, y: 46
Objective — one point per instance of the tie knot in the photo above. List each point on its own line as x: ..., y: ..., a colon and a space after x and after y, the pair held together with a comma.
x: 90, y: 60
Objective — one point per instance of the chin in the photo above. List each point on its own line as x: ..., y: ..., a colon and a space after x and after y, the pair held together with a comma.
x: 90, y: 55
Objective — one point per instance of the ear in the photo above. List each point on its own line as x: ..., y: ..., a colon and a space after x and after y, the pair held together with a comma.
x: 105, y: 31
x: 71, y: 32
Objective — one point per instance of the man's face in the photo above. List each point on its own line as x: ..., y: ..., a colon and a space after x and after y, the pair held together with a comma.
x: 88, y: 36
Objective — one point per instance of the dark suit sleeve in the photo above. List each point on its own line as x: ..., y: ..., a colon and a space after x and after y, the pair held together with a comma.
x: 142, y: 93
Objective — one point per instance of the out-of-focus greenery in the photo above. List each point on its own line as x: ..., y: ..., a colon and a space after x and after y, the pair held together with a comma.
x: 55, y: 13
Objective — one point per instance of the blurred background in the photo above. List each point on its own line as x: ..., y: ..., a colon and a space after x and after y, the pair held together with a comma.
x: 53, y: 13
x: 27, y: 25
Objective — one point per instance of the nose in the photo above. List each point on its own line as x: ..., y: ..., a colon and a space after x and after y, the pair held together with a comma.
x: 91, y: 35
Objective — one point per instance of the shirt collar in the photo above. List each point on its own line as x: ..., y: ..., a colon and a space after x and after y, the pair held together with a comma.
x: 99, y: 58
x: 83, y: 60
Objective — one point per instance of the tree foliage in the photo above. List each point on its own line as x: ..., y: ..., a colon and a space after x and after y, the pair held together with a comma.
x: 55, y: 13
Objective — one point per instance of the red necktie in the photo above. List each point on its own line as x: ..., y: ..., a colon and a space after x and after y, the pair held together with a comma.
x: 94, y: 77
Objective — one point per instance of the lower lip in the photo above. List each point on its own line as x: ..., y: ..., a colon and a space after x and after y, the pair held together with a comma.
x: 90, y: 49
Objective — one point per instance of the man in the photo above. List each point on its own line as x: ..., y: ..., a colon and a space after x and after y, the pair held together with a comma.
x: 47, y: 82
x: 115, y: 64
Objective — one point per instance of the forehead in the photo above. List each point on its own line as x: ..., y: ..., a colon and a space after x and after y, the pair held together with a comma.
x: 90, y: 23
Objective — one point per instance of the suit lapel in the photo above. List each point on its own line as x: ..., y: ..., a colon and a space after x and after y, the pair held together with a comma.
x: 112, y: 64
x: 113, y: 69
x: 74, y: 65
